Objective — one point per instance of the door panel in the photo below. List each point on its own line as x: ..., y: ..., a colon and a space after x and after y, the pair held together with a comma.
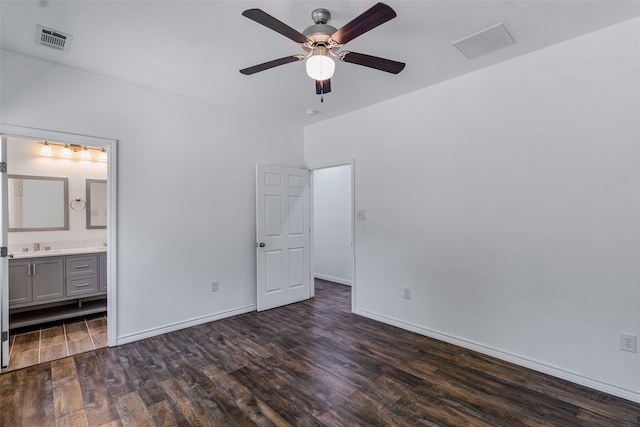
x: 48, y: 279
x: 4, y: 262
x: 282, y: 225
x: 20, y: 289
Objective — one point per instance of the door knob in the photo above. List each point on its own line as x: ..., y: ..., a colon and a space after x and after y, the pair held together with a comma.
x: 261, y: 244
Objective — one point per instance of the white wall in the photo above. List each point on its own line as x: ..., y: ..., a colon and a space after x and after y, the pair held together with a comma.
x: 332, y: 251
x: 24, y: 159
x: 186, y: 186
x: 508, y: 201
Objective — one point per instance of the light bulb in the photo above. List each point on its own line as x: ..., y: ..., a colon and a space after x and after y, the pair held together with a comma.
x: 102, y: 157
x: 66, y: 152
x: 84, y: 154
x: 46, y: 150
x: 320, y: 67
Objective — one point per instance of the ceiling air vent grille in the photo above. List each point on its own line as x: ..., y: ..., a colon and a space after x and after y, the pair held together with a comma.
x: 52, y: 38
x: 484, y: 42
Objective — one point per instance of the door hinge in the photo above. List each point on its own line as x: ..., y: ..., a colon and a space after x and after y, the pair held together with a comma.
x: 5, y: 336
x: 3, y: 167
x: 4, y: 252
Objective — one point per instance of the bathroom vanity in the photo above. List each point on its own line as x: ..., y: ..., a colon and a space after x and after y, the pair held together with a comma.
x: 51, y: 285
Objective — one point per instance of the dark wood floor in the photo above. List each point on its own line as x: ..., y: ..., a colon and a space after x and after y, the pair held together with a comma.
x: 308, y: 364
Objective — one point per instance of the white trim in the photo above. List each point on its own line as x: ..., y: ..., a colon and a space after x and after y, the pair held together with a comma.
x: 324, y: 165
x: 112, y: 258
x: 332, y: 279
x: 125, y: 339
x: 555, y: 371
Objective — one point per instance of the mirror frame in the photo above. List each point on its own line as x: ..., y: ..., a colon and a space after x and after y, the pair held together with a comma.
x: 65, y: 205
x: 88, y: 190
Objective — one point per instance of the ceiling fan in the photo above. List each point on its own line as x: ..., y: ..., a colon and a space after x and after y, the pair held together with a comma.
x: 322, y: 42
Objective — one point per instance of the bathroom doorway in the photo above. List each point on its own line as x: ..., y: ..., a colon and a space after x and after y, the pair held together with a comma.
x: 76, y: 256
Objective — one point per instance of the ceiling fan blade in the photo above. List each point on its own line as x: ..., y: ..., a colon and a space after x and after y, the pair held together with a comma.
x: 271, y: 64
x: 376, y: 15
x: 323, y: 86
x: 269, y: 21
x: 381, y: 64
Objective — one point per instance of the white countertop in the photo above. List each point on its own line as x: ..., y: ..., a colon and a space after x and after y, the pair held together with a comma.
x: 57, y: 252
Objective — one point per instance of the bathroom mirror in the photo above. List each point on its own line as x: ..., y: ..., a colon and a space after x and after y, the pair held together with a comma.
x: 96, y: 203
x: 38, y: 203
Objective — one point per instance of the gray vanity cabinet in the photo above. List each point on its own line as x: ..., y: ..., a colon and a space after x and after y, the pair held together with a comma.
x: 44, y: 289
x: 35, y: 280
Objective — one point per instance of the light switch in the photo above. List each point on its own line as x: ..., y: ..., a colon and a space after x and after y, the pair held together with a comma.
x: 361, y: 214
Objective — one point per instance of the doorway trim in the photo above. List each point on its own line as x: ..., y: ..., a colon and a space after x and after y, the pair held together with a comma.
x: 111, y: 146
x: 326, y: 165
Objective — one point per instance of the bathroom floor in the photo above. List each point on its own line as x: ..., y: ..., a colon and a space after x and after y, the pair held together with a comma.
x: 32, y: 345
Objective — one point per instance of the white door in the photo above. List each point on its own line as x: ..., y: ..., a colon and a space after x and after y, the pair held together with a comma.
x: 4, y: 261
x: 282, y: 236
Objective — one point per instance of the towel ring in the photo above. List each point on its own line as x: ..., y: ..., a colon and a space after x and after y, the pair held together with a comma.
x: 77, y: 204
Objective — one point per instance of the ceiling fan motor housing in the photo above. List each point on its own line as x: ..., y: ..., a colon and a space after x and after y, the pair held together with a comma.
x: 320, y: 16
x: 319, y: 33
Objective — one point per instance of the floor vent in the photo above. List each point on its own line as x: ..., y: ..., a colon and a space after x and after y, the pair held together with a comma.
x: 484, y: 42
x: 53, y: 38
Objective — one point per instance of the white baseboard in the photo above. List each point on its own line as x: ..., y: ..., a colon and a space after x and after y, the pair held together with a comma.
x: 564, y: 374
x: 124, y: 339
x: 333, y: 279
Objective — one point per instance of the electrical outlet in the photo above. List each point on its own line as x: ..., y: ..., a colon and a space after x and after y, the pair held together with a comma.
x: 628, y: 342
x: 361, y: 214
x: 214, y: 286
x: 407, y: 293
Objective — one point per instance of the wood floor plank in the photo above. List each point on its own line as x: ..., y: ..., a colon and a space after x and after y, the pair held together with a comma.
x: 76, y: 419
x: 98, y: 403
x: 67, y: 395
x: 227, y: 389
x: 133, y: 411
x: 312, y: 363
x: 38, y: 396
x: 12, y: 398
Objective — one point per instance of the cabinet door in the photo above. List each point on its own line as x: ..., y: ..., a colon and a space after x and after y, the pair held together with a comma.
x: 19, y: 282
x: 48, y: 279
x: 102, y: 281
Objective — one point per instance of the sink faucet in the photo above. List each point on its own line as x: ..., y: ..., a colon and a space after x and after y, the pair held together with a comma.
x: 36, y: 247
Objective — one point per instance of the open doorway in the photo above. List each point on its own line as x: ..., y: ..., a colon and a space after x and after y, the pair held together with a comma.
x: 333, y: 235
x: 58, y: 285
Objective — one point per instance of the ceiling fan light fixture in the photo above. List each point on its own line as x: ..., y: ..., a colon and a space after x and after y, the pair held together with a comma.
x: 319, y: 65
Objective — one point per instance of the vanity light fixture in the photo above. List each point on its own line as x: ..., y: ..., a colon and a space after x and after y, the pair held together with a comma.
x: 68, y: 150
x: 84, y: 154
x: 46, y: 150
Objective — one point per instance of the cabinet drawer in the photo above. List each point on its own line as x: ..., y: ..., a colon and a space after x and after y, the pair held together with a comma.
x: 82, y: 265
x: 82, y: 285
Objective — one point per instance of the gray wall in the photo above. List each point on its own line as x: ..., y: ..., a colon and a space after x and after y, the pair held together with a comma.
x: 508, y: 201
x: 186, y: 186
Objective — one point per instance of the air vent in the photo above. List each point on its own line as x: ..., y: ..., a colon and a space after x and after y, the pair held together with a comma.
x: 484, y: 42
x: 53, y: 38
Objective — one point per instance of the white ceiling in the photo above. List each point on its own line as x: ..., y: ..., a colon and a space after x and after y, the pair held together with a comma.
x: 195, y: 48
